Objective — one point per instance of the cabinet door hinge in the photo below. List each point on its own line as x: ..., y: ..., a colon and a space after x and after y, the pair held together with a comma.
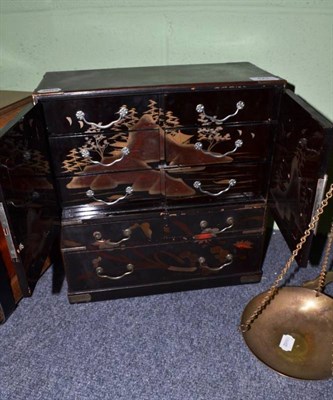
x: 320, y: 191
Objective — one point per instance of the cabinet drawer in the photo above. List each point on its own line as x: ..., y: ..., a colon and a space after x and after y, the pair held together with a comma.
x: 23, y: 191
x: 61, y: 114
x: 97, y: 232
x: 214, y: 183
x: 106, y: 152
x: 246, y: 104
x: 23, y: 150
x: 116, y: 190
x: 162, y: 264
x: 113, y: 232
x: 209, y: 223
x: 206, y: 145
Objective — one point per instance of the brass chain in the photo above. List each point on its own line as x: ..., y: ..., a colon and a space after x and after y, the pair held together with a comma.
x: 324, y: 268
x: 274, y: 288
x: 323, y: 272
x: 332, y: 359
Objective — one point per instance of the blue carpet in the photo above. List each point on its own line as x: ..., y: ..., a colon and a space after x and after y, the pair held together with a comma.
x: 178, y: 346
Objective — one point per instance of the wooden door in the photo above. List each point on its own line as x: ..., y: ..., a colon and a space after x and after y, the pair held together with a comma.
x: 27, y: 198
x: 300, y: 169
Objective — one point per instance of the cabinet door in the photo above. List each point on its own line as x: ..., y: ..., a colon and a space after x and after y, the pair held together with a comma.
x: 299, y: 174
x: 7, y: 303
x: 27, y: 197
x: 7, y: 254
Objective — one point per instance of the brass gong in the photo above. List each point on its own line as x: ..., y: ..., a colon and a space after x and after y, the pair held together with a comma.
x: 290, y: 329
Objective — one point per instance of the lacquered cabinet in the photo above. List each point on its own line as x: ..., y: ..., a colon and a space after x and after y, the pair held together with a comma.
x: 163, y: 177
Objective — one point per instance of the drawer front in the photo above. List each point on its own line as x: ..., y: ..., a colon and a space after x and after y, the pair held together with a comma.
x: 23, y: 191
x: 98, y: 153
x: 240, y: 104
x: 215, y: 184
x: 23, y: 149
x: 146, y: 188
x: 215, y: 222
x: 98, y: 112
x: 117, y: 190
x: 24, y: 161
x: 113, y: 233
x: 211, y: 145
x: 161, y: 264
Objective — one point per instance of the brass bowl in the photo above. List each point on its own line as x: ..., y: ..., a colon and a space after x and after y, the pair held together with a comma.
x: 294, y: 333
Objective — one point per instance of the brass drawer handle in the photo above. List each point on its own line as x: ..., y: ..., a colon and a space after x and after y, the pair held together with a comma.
x: 26, y: 158
x: 107, y: 242
x: 200, y: 108
x: 86, y: 154
x: 100, y: 272
x: 34, y: 196
x: 215, y: 231
x: 238, y: 144
x: 81, y: 116
x: 197, y: 185
x: 202, y: 262
x: 91, y: 194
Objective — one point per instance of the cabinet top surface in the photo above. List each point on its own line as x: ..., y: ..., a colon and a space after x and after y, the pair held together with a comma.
x: 159, y: 77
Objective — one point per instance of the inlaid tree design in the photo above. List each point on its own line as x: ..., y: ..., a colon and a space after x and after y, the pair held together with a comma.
x: 171, y: 121
x: 173, y: 130
x: 212, y: 135
x: 74, y: 161
x: 96, y: 147
x: 127, y: 122
x: 155, y: 112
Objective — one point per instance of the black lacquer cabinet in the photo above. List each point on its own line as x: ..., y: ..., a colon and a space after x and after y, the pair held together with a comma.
x: 161, y: 177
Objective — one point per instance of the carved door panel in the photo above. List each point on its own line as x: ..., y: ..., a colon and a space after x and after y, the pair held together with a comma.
x: 299, y: 174
x: 27, y: 196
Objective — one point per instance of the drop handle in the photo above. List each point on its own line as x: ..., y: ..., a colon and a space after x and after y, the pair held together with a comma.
x: 202, y: 263
x: 200, y: 108
x: 124, y: 152
x: 128, y: 191
x: 129, y: 269
x: 81, y: 116
x: 205, y: 229
x: 197, y: 185
x: 33, y: 197
x: 108, y: 243
x: 26, y: 156
x: 238, y: 144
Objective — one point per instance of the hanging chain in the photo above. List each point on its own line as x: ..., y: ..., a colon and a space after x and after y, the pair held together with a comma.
x: 323, y: 273
x: 332, y: 359
x: 274, y: 288
x: 324, y: 268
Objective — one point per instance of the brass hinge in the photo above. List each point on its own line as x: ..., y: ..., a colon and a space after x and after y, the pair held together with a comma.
x: 320, y: 191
